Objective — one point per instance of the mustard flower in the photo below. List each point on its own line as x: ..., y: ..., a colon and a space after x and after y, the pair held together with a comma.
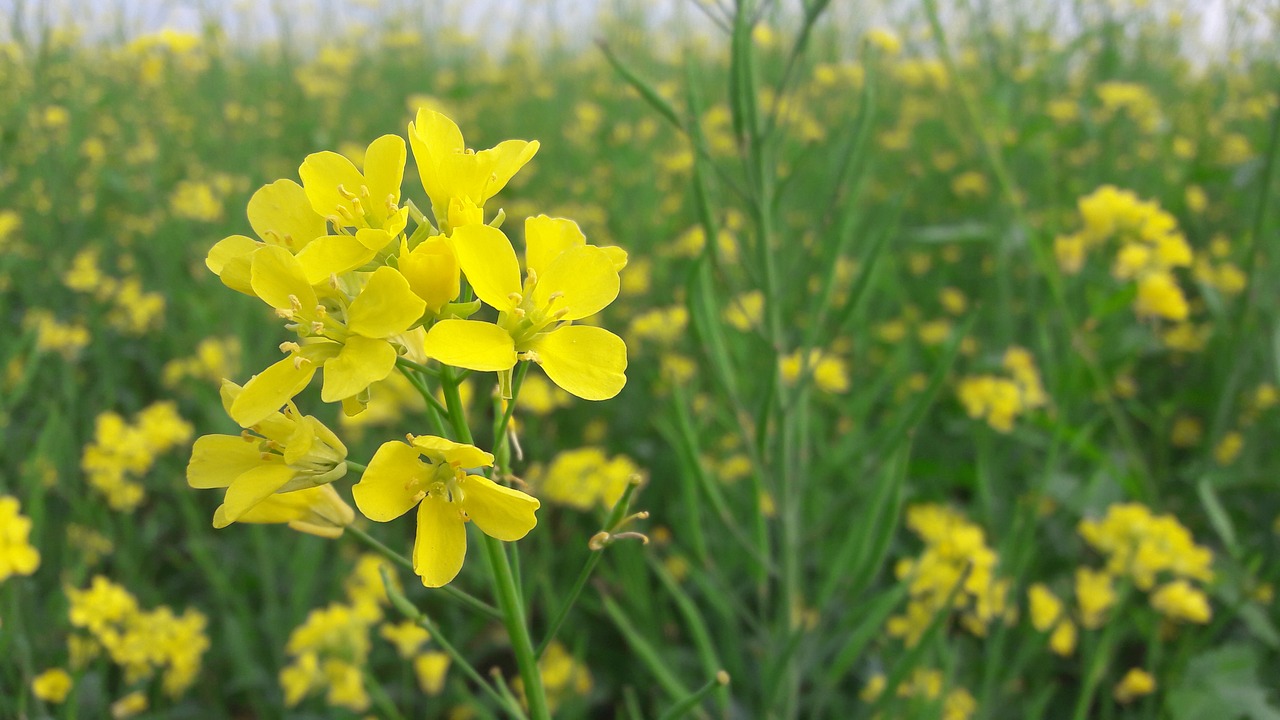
x: 458, y: 180
x: 347, y: 197
x: 52, y: 685
x: 447, y: 496
x: 291, y: 452
x: 281, y: 215
x: 1135, y: 683
x: 566, y: 280
x: 345, y: 329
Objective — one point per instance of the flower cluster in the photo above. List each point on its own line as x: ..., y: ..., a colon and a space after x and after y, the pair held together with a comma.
x: 121, y: 451
x: 335, y: 260
x: 584, y: 478
x: 130, y: 309
x: 215, y: 358
x: 956, y: 565
x: 1149, y: 247
x: 140, y: 642
x: 17, y: 555
x: 330, y: 650
x: 999, y: 399
x: 926, y: 684
x: 1152, y: 550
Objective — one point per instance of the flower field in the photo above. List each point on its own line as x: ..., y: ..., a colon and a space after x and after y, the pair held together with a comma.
x: 759, y: 359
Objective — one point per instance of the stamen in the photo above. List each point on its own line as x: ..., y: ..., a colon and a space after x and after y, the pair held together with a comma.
x: 344, y: 192
x: 290, y: 347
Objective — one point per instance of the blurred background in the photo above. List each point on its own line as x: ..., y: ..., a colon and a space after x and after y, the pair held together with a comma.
x: 953, y: 340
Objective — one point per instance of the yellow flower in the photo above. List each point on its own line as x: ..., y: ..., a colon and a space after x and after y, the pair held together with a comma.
x: 431, y: 669
x: 281, y: 215
x: 52, y: 685
x: 344, y: 328
x: 346, y: 197
x: 17, y: 555
x: 1228, y: 448
x: 1095, y: 595
x: 447, y: 498
x: 1135, y: 683
x: 407, y: 637
x: 129, y: 705
x: 291, y: 452
x: 567, y: 280
x: 458, y: 180
x: 1179, y: 600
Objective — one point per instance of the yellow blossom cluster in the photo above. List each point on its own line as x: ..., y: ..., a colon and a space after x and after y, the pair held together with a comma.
x: 1133, y: 100
x: 926, y: 684
x: 584, y: 478
x: 55, y: 336
x: 130, y: 309
x: 1001, y: 399
x: 1151, y: 551
x: 828, y: 372
x: 17, y: 555
x: 1049, y: 614
x: 141, y: 642
x: 1149, y: 247
x: 215, y: 358
x: 330, y: 650
x: 122, y: 452
x: 955, y: 561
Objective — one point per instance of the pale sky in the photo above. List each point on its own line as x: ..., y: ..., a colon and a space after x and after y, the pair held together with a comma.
x: 1207, y: 22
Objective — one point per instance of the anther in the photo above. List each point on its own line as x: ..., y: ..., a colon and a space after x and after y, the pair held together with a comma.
x: 317, y: 327
x: 290, y: 347
x: 344, y: 192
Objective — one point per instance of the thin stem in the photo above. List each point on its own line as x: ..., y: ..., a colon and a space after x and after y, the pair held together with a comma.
x: 413, y: 613
x: 461, y: 596
x: 504, y: 581
x: 616, y: 515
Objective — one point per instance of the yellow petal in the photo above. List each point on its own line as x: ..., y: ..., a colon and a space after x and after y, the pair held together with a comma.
x: 322, y: 173
x: 489, y: 262
x: 588, y: 362
x: 617, y: 255
x: 374, y: 238
x: 546, y: 237
x: 471, y: 344
x: 229, y: 259
x: 504, y: 160
x: 582, y: 278
x: 441, y: 545
x: 386, y: 306
x: 384, y: 170
x: 362, y: 362
x: 301, y: 440
x: 383, y: 491
x: 500, y: 512
x: 281, y: 215
x: 269, y: 390
x: 444, y: 450
x: 252, y: 488
x: 332, y: 255
x: 217, y: 460
x: 278, y: 278
x: 432, y: 136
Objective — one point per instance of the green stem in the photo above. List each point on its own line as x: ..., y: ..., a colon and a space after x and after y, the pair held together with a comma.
x: 509, y: 601
x: 615, y: 516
